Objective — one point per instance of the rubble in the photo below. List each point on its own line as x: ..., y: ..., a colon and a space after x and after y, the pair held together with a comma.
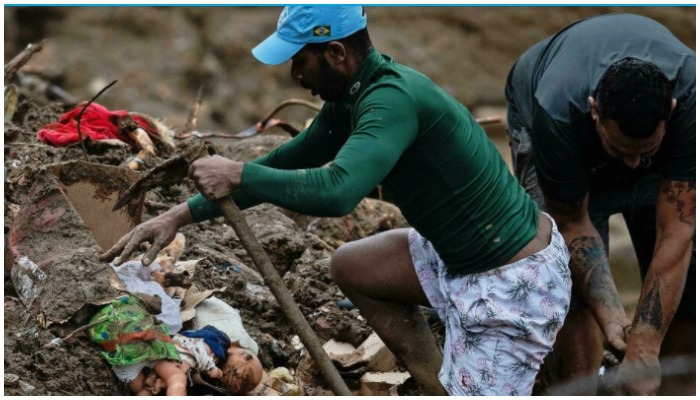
x: 63, y: 216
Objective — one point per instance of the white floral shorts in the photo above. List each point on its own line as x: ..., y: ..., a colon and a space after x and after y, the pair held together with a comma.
x: 499, y: 324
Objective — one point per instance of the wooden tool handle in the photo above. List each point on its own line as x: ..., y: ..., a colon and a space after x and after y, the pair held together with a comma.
x: 289, y: 307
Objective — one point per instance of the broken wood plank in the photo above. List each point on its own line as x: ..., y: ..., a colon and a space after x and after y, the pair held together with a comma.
x: 22, y: 58
x: 381, y: 383
x: 374, y: 353
x: 338, y: 351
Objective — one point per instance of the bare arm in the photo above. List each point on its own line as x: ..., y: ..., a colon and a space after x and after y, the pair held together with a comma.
x: 159, y: 231
x: 663, y: 286
x: 590, y: 269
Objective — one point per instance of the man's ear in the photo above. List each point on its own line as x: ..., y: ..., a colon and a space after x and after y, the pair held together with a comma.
x: 594, y: 110
x: 335, y: 53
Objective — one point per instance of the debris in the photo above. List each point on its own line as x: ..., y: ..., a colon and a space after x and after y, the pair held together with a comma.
x: 22, y: 58
x: 170, y: 253
x: 65, y: 220
x: 268, y: 122
x: 80, y: 117
x: 193, y: 149
x: 40, y: 89
x: 26, y: 388
x: 375, y: 353
x: 140, y: 137
x: 11, y: 99
x: 282, y: 374
x: 194, y: 112
x: 381, y: 383
x: 338, y: 351
x: 11, y: 380
x: 98, y: 123
x: 273, y: 386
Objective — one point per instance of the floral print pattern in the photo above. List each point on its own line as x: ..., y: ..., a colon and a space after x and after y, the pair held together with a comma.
x: 500, y: 324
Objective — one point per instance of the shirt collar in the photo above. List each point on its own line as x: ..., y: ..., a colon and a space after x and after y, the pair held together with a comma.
x: 362, y: 79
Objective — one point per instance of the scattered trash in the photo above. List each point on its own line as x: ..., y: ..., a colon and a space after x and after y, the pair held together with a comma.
x: 345, y: 304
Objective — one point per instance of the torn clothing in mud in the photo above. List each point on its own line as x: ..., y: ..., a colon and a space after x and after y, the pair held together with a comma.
x: 130, y: 337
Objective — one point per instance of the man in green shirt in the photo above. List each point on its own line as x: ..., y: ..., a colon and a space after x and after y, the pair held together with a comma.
x: 480, y: 252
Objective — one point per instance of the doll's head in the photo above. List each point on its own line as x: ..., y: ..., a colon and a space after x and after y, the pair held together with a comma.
x: 242, y: 371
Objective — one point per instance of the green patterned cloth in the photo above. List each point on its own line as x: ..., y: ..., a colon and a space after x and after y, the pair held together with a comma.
x: 129, y: 334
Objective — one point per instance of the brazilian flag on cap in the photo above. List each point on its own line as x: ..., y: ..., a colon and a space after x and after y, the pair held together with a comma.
x: 323, y: 30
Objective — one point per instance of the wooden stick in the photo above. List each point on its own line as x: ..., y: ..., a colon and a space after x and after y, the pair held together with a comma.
x: 22, y: 58
x: 284, y: 298
x: 273, y: 280
x: 194, y: 112
x: 80, y: 116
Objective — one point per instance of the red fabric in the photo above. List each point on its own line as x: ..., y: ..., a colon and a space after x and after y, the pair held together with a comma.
x: 97, y: 122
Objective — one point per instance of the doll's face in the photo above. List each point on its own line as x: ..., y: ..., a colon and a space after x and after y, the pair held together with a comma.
x: 242, y: 371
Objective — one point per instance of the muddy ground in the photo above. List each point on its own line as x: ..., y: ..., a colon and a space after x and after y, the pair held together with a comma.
x: 161, y: 56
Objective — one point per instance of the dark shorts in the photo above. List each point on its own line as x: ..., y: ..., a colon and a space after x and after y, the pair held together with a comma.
x: 636, y: 203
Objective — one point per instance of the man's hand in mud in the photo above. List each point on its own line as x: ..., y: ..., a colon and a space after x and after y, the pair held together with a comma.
x: 616, y: 337
x: 159, y: 231
x: 640, y: 375
x: 215, y: 177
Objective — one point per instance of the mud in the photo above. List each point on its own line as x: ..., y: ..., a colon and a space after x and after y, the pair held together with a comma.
x: 161, y: 56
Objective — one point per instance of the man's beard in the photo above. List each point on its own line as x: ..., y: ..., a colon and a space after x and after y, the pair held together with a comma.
x: 332, y: 85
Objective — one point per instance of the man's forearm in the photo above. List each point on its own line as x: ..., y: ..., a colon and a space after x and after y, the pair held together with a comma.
x: 592, y: 277
x: 665, y: 280
x: 180, y: 214
x: 659, y: 299
x: 590, y: 270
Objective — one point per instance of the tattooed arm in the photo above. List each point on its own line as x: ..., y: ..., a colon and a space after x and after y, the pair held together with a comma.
x: 663, y: 286
x: 590, y: 270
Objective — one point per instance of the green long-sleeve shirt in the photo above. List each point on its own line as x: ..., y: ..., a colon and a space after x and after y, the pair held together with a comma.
x: 397, y: 128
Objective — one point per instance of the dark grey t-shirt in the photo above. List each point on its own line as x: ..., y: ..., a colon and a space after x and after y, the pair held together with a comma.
x: 549, y: 87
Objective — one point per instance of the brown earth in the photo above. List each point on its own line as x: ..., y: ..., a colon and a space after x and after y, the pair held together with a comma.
x: 161, y: 56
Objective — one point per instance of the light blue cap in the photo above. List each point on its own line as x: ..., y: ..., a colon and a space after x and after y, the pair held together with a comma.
x: 299, y: 25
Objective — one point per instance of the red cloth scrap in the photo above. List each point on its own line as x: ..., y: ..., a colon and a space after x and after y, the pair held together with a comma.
x: 97, y: 123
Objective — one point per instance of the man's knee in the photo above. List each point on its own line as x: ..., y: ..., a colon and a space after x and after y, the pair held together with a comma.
x: 340, y: 265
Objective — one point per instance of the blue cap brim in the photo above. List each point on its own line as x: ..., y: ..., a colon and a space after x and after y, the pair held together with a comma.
x: 275, y: 51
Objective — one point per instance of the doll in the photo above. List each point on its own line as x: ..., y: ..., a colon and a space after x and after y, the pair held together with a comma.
x: 206, y: 350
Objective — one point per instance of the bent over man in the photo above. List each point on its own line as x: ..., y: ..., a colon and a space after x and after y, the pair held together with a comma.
x: 480, y: 251
x: 602, y: 121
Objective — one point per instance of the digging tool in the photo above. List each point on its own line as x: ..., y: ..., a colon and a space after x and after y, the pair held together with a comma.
x: 173, y: 171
